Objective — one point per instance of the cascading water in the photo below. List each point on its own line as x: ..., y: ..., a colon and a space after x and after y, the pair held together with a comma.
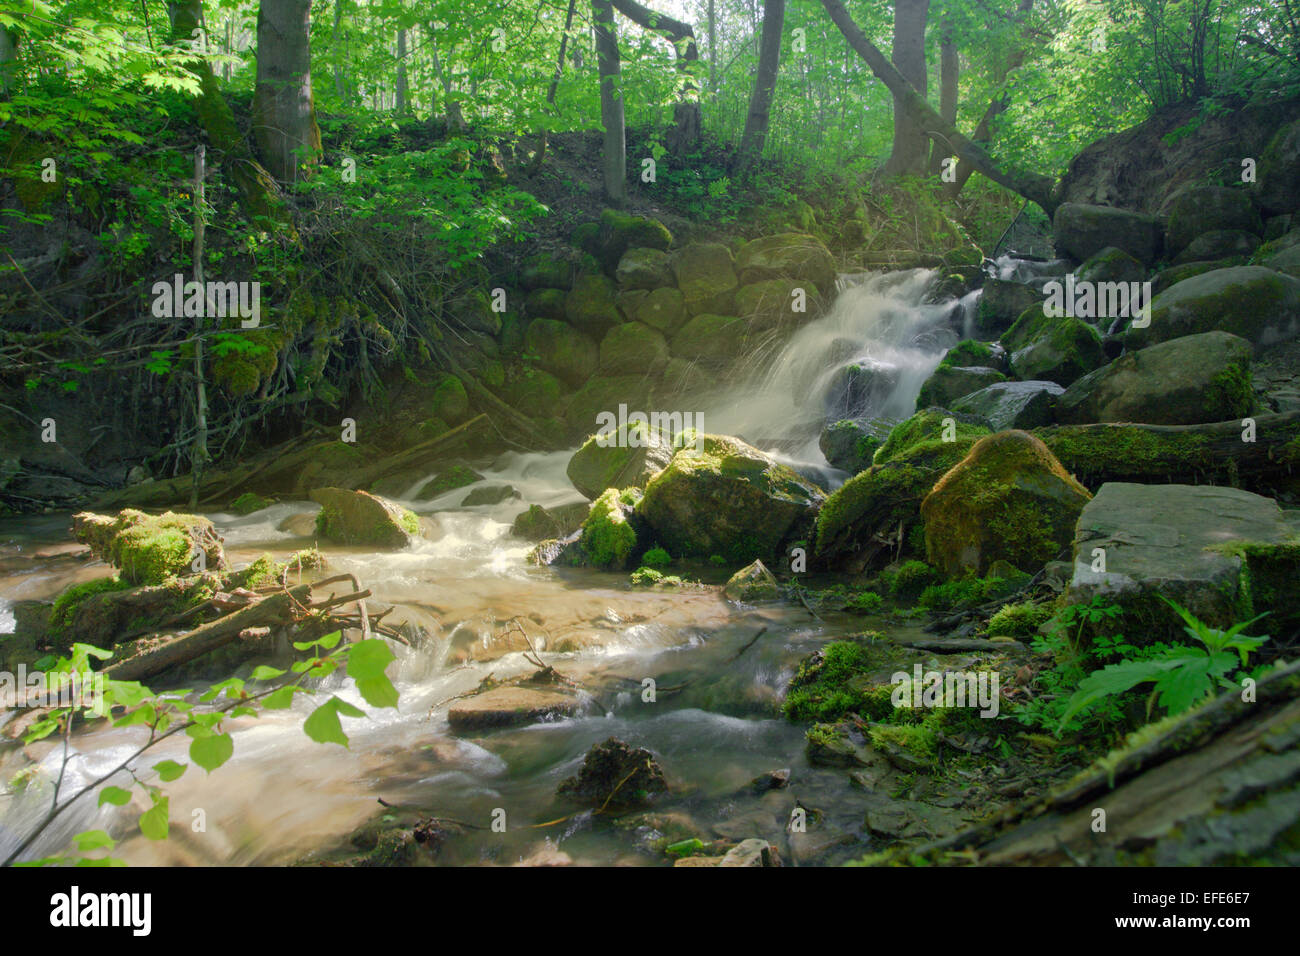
x: 282, y: 795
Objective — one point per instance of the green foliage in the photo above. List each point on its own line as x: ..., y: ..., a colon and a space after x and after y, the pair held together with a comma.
x: 865, y: 602
x: 964, y: 592
x: 829, y: 684
x: 607, y: 537
x: 1020, y: 619
x: 907, y: 581
x: 66, y: 604
x: 656, y: 558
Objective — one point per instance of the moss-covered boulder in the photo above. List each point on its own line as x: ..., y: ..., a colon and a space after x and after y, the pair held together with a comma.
x: 1197, y: 209
x: 448, y: 400
x: 663, y: 310
x: 947, y: 383
x: 754, y: 582
x: 1009, y: 500
x: 1287, y: 261
x: 1279, y: 171
x: 849, y: 444
x: 706, y: 275
x: 545, y: 271
x: 642, y: 268
x: 1000, y: 303
x: 618, y: 231
x: 719, y: 495
x: 472, y: 311
x: 788, y: 255
x: 539, y: 524
x: 534, y: 392
x: 1185, y: 381
x: 683, y: 377
x: 712, y: 340
x: 248, y: 503
x: 770, y: 303
x: 1056, y: 349
x: 1110, y: 265
x: 1081, y: 230
x: 590, y: 307
x: 604, y: 393
x: 625, y: 458
x: 1013, y: 404
x: 936, y: 430
x: 562, y: 350
x: 608, y: 537
x: 1217, y: 245
x: 360, y: 518
x: 1260, y: 305
x: 447, y: 479
x: 546, y: 303
x: 633, y: 348
x: 149, y: 549
x: 1168, y: 278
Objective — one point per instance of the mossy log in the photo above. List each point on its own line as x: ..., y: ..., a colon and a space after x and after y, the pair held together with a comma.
x: 1180, y: 454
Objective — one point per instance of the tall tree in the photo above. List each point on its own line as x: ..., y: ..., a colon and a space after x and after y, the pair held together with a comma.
x: 284, y: 115
x: 686, y: 114
x: 949, y: 67
x: 614, y: 154
x: 910, y: 150
x: 758, y: 118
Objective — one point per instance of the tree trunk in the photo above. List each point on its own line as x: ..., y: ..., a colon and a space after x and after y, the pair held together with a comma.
x: 340, y: 77
x: 284, y: 116
x: 8, y: 53
x: 199, y: 457
x: 713, y: 51
x: 1035, y: 187
x: 908, y: 155
x: 401, y: 72
x: 686, y: 114
x: 258, y: 192
x: 760, y: 103
x: 948, y: 74
x: 614, y: 154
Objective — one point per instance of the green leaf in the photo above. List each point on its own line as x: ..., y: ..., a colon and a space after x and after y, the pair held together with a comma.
x: 323, y: 725
x: 114, y: 795
x: 211, y: 752
x: 153, y: 822
x: 378, y: 691
x: 93, y: 840
x: 169, y: 770
x: 282, y: 698
x: 368, y: 659
x: 262, y: 672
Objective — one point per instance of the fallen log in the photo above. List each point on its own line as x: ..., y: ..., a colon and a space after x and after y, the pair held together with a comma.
x: 273, y: 609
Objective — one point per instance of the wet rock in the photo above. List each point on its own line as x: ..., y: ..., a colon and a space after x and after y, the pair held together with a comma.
x: 1110, y: 265
x: 1222, y: 553
x: 1013, y: 404
x: 629, y: 458
x: 752, y: 852
x: 752, y: 583
x: 771, y: 302
x: 300, y: 525
x: 1058, y: 349
x: 1081, y: 230
x: 538, y: 523
x: 947, y: 383
x: 1001, y: 303
x: 772, y: 780
x: 711, y: 340
x: 790, y: 255
x: 1260, y: 305
x: 148, y: 549
x: 511, y: 705
x: 615, y: 775
x: 849, y: 445
x: 448, y: 479
x: 727, y: 497
x: 706, y: 275
x: 360, y: 518
x: 562, y: 350
x: 489, y: 495
x: 857, y: 388
x: 1185, y: 381
x: 633, y: 348
x: 1199, y: 209
x: 1009, y: 499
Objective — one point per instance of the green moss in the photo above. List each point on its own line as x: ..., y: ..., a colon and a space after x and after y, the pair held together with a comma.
x: 66, y: 604
x: 834, y: 682
x: 409, y: 521
x: 865, y: 602
x: 969, y: 353
x: 1231, y: 389
x: 339, y: 454
x: 1121, y: 451
x: 1018, y: 620
x: 247, y: 503
x: 607, y: 537
x: 656, y: 557
x: 909, y: 579
x: 964, y: 592
x: 449, y: 479
x: 921, y: 438
x: 646, y: 577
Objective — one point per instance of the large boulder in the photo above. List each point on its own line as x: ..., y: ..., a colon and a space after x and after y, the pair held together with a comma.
x: 1185, y: 381
x: 626, y: 458
x: 608, y: 537
x: 1057, y: 349
x: 849, y: 444
x: 771, y: 302
x: 149, y: 549
x: 633, y: 347
x: 617, y: 232
x: 947, y: 383
x: 1288, y: 261
x: 360, y: 518
x: 1279, y: 171
x: 706, y: 276
x: 1008, y: 500
x: 642, y: 268
x: 1000, y: 303
x: 1013, y: 404
x: 1197, y: 209
x: 604, y: 393
x: 1260, y: 305
x: 663, y: 310
x: 721, y: 496
x: 1082, y: 230
x: 544, y: 271
x: 540, y: 524
x: 1222, y: 244
x: 562, y: 350
x: 790, y: 255
x: 590, y: 306
x: 1111, y: 265
x: 1222, y: 553
x: 858, y: 388
x: 714, y: 340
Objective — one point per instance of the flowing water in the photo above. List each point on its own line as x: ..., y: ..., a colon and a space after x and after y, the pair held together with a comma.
x: 713, y: 725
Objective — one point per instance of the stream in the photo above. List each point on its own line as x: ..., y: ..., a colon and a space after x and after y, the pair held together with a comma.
x: 713, y: 727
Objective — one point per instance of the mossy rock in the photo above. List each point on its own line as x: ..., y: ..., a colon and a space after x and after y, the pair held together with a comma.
x: 149, y: 549
x: 633, y: 348
x: 546, y: 303
x: 539, y: 524
x: 1058, y: 349
x: 608, y: 537
x: 248, y: 502
x: 604, y: 393
x: 642, y: 268
x: 1110, y: 265
x: 849, y: 445
x: 663, y: 310
x: 1198, y: 209
x: 1260, y: 305
x: 590, y: 307
x: 543, y: 271
x: 1009, y: 500
x: 713, y: 340
x: 449, y: 400
x: 626, y: 458
x: 928, y: 428
x: 1081, y: 230
x: 562, y: 350
x: 789, y: 255
x: 448, y: 479
x: 360, y: 518
x: 474, y: 312
x: 947, y: 383
x: 770, y: 303
x: 752, y: 583
x: 1217, y: 245
x: 1001, y: 303
x: 969, y: 353
x: 618, y: 231
x: 534, y: 392
x: 706, y: 275
x: 719, y: 495
x: 1279, y: 171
